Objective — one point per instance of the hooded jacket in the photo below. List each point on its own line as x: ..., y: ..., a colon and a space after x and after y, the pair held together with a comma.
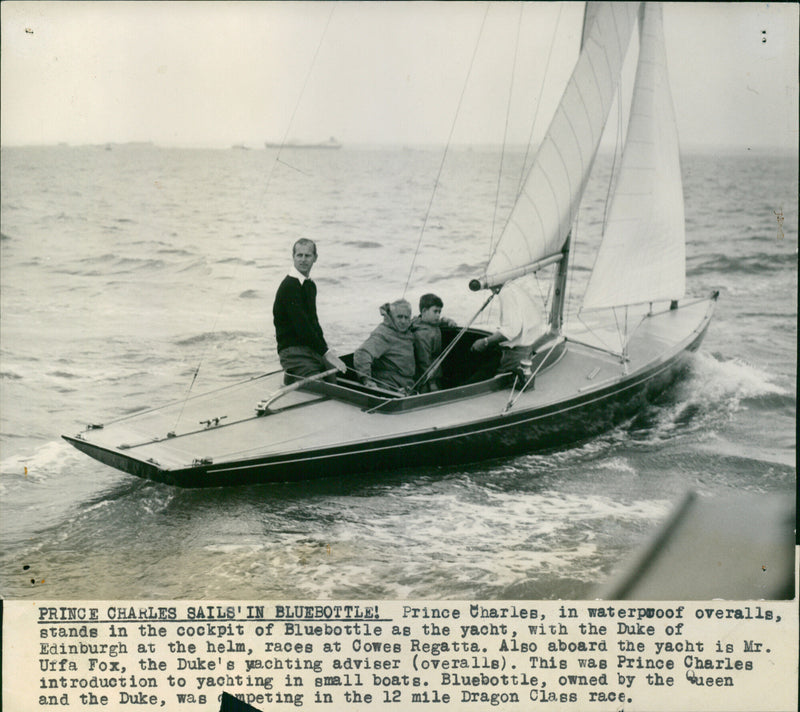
x: 387, y: 356
x: 427, y: 346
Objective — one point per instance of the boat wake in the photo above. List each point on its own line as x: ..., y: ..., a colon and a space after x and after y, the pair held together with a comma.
x: 708, y: 397
x: 45, y: 463
x: 72, y: 486
x: 734, y: 377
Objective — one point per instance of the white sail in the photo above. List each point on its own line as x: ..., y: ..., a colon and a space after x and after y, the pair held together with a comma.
x: 545, y: 210
x: 642, y: 256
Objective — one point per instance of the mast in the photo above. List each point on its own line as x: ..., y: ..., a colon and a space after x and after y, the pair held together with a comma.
x: 560, y: 278
x: 560, y: 290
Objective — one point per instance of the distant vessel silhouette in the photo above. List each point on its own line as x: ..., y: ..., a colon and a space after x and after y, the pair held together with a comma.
x: 330, y: 143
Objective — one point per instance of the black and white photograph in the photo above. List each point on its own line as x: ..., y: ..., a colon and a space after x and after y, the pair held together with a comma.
x: 350, y: 301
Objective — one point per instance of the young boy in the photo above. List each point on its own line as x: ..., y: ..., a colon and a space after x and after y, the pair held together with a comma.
x: 427, y: 332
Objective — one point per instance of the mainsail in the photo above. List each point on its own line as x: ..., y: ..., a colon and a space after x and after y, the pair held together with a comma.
x: 545, y: 210
x: 645, y: 236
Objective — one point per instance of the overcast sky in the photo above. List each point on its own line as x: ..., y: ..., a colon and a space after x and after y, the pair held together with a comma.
x: 208, y: 73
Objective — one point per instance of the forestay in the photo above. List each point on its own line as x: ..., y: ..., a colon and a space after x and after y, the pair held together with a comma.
x: 545, y: 210
x: 642, y: 256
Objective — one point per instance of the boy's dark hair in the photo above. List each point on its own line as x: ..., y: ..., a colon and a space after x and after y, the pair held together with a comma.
x: 426, y: 301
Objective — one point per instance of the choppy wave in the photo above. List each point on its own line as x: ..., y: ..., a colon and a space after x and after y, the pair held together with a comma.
x: 364, y: 244
x: 214, y: 337
x: 63, y: 374
x: 752, y: 264
x: 236, y: 261
x: 466, y: 270
x: 178, y: 252
x: 108, y: 264
x: 139, y: 264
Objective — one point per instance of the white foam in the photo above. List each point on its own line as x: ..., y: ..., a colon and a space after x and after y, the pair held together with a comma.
x: 720, y: 379
x: 47, y: 460
x: 617, y: 464
x: 232, y: 548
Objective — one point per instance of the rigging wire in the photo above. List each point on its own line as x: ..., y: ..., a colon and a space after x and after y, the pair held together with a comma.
x: 612, y: 177
x: 446, y: 150
x: 303, y: 88
x: 624, y: 334
x: 523, y: 174
x: 270, y: 175
x: 611, y: 181
x: 524, y: 170
x: 554, y: 35
x: 505, y: 132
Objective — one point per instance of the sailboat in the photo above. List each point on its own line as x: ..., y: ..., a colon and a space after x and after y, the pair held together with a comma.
x: 573, y: 388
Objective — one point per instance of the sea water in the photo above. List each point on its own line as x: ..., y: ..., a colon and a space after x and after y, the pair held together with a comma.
x: 132, y: 275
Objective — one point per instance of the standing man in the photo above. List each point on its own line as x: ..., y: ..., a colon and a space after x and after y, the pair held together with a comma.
x: 302, y: 349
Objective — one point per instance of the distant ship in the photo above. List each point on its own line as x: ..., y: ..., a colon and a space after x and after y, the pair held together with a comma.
x: 330, y: 143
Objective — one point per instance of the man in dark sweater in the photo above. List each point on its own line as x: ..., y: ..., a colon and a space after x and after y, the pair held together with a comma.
x: 302, y: 348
